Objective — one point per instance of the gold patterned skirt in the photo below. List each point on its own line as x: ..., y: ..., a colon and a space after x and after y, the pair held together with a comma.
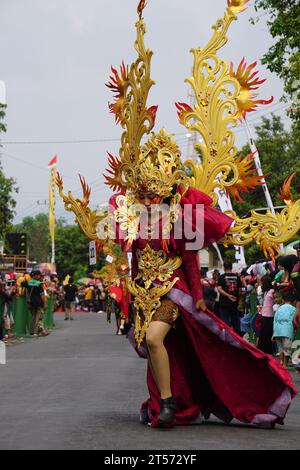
x: 168, y: 312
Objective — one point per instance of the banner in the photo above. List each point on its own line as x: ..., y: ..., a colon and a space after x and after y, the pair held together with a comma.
x: 92, y: 253
x: 52, y: 188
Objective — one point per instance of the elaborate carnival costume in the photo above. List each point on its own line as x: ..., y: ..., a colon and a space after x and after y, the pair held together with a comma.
x: 115, y: 275
x: 213, y: 370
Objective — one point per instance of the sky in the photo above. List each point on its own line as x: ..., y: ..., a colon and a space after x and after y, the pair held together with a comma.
x: 55, y: 58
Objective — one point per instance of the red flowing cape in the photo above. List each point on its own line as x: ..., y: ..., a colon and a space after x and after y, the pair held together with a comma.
x: 214, y: 371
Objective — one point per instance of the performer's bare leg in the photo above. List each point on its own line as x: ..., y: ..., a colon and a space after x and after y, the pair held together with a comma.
x: 155, y: 336
x: 153, y: 373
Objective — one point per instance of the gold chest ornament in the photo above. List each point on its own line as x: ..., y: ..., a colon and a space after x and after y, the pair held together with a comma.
x: 152, y: 266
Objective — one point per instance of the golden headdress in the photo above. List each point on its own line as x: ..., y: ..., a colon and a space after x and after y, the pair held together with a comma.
x: 222, y: 98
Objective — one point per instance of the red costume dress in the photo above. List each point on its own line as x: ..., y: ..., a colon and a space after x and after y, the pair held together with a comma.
x: 213, y: 370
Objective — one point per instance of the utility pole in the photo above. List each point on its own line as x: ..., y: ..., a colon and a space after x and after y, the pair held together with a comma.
x: 259, y: 168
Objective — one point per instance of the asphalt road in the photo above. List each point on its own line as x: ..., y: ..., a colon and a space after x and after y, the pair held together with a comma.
x: 81, y: 388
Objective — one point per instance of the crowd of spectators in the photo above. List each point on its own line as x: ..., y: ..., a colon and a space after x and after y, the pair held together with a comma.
x: 259, y: 303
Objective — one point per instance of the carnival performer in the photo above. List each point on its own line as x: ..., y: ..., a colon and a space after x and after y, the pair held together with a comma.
x: 197, y: 365
x: 173, y: 327
x: 114, y: 306
x: 124, y: 305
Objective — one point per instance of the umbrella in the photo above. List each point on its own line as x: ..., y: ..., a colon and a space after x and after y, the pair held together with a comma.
x: 84, y: 280
x: 289, y: 249
x: 94, y: 282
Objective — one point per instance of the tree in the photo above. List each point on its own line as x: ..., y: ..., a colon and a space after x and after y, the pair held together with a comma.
x: 72, y: 254
x: 279, y: 152
x: 2, y: 116
x: 71, y: 245
x: 38, y: 237
x: 7, y: 188
x: 283, y: 57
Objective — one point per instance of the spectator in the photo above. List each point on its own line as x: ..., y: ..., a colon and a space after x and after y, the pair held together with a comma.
x: 287, y: 263
x: 70, y: 298
x: 259, y: 292
x: 37, y: 303
x: 295, y: 277
x: 3, y: 298
x: 89, y: 298
x: 267, y: 316
x: 100, y: 298
x: 250, y: 305
x: 9, y: 294
x: 209, y: 292
x: 216, y: 276
x: 283, y: 330
x: 230, y: 286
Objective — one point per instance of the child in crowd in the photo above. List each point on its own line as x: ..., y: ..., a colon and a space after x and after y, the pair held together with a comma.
x: 283, y: 331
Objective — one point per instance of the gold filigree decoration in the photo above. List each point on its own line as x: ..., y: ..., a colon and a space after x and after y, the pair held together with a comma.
x: 159, y: 169
x: 285, y: 191
x: 130, y: 107
x: 156, y: 166
x: 213, y: 115
x: 87, y: 219
x: 171, y: 216
x: 217, y: 94
x: 130, y: 213
x: 155, y: 265
x: 112, y: 272
x: 127, y: 215
x: 152, y: 266
x: 267, y: 230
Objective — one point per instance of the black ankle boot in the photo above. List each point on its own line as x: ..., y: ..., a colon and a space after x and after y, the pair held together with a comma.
x: 167, y: 411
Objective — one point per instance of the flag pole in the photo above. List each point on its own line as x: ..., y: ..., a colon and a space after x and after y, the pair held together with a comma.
x: 260, y: 173
x: 259, y: 168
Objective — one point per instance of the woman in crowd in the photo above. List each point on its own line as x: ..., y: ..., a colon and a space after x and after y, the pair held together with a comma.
x: 267, y: 316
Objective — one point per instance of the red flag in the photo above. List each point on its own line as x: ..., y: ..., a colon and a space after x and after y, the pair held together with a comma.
x: 53, y: 161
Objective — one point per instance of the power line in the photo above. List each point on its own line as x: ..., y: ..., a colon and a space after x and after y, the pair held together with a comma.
x: 256, y: 122
x: 82, y: 141
x: 34, y: 165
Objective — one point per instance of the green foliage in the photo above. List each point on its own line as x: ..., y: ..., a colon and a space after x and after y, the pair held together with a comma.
x: 279, y: 152
x: 228, y: 254
x: 253, y: 253
x: 71, y: 251
x: 2, y: 116
x: 71, y: 245
x: 7, y: 202
x: 283, y: 57
x: 38, y: 237
x: 7, y: 188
